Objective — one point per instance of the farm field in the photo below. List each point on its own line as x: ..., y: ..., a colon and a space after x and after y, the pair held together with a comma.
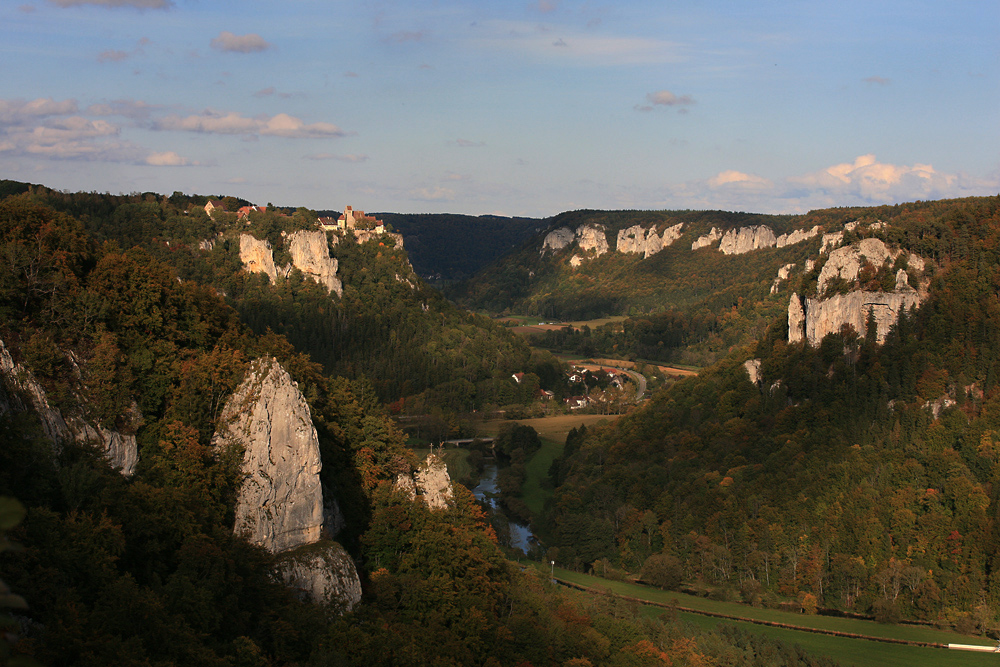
x: 847, y: 651
x: 549, y: 428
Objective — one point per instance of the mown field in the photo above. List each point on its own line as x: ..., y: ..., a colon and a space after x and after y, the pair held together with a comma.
x: 847, y: 651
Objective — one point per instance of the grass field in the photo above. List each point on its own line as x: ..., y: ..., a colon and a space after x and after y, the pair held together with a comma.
x: 532, y: 493
x: 548, y: 428
x: 845, y: 650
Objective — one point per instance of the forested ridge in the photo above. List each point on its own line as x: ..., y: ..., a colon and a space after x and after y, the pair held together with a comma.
x: 852, y: 476
x: 145, y: 570
x: 682, y: 305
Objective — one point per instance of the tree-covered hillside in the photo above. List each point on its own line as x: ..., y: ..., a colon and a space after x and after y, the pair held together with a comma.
x: 859, y: 476
x: 388, y: 327
x: 456, y: 247
x: 683, y: 306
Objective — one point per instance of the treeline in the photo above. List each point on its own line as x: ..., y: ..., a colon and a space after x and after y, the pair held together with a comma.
x: 854, y: 476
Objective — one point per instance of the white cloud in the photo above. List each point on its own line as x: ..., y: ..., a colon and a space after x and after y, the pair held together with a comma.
x: 19, y: 111
x: 731, y: 178
x: 280, y: 125
x: 249, y: 43
x: 665, y: 98
x: 138, y: 4
x: 166, y: 159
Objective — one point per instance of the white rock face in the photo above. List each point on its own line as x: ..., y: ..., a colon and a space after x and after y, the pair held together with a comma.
x: 831, y: 241
x: 747, y: 239
x: 575, y: 261
x: 592, y: 237
x: 797, y: 236
x: 814, y: 319
x: 120, y: 450
x: 646, y: 241
x: 430, y: 482
x: 558, y: 239
x: 323, y: 574
x: 433, y: 482
x: 257, y: 256
x: 939, y: 405
x: 752, y: 367
x: 280, y: 505
x: 707, y: 239
x: 588, y: 237
x: 847, y: 262
x: 783, y: 274
x: 311, y: 255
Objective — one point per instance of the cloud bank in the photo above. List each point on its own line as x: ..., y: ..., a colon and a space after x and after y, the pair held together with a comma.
x: 250, y: 43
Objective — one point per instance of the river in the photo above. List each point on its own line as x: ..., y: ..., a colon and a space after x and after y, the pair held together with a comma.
x: 520, y: 535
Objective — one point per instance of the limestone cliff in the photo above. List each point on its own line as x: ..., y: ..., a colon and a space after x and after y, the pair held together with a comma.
x: 747, y: 239
x: 752, y: 367
x: 846, y: 263
x: 431, y: 483
x: 280, y: 504
x: 637, y: 239
x: 782, y: 276
x: 322, y: 573
x: 592, y: 237
x: 258, y: 257
x: 588, y: 236
x: 797, y: 236
x: 707, y: 239
x: 812, y: 319
x: 21, y: 392
x: 311, y: 255
x: 558, y: 239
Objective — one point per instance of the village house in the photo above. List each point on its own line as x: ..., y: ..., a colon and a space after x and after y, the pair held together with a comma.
x: 244, y: 212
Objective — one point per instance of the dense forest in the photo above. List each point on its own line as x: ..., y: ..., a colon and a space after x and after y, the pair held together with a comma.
x: 97, y: 568
x: 855, y: 476
x: 446, y: 247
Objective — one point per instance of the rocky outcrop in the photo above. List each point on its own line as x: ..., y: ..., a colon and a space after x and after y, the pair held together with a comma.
x: 812, y: 319
x: 846, y: 263
x: 592, y: 237
x: 588, y: 237
x: 637, y: 239
x: 20, y: 392
x: 752, y: 367
x: 783, y: 274
x: 831, y: 241
x: 280, y: 504
x: 322, y: 573
x: 939, y: 405
x: 431, y: 483
x: 707, y: 239
x: 311, y: 255
x: 747, y: 239
x: 797, y: 236
x: 558, y: 239
x: 258, y: 257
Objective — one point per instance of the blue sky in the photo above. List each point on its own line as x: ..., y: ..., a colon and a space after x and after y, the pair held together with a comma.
x: 513, y: 108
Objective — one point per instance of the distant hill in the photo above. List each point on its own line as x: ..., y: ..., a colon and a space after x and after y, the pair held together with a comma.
x: 448, y: 247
